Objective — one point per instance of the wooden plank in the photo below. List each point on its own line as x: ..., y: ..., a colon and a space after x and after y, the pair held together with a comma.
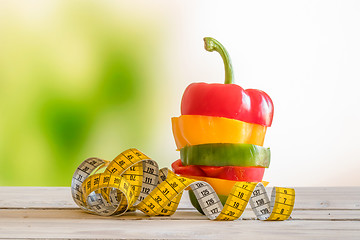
x: 41, y: 212
x: 60, y: 197
x: 110, y: 228
x: 327, y: 198
x: 313, y: 215
x: 36, y: 197
x: 326, y: 214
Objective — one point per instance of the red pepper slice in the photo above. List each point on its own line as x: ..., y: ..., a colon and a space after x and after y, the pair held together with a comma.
x: 227, y: 100
x: 211, y: 171
x: 247, y: 174
x: 191, y: 170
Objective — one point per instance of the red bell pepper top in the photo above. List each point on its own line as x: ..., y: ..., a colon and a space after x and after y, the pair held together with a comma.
x: 227, y: 100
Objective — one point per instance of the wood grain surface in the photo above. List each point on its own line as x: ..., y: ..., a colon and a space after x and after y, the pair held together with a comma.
x: 45, y: 213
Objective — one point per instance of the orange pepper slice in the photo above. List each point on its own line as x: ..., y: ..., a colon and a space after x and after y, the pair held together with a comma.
x: 196, y: 129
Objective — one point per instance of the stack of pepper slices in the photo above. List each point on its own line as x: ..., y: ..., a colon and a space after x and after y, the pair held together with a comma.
x: 221, y: 131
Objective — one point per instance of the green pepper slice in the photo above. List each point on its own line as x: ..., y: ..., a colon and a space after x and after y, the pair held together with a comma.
x: 226, y: 154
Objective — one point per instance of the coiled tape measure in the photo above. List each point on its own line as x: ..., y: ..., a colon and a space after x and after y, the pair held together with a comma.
x: 134, y: 181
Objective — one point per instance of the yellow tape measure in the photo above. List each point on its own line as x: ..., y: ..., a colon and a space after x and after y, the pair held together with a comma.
x: 134, y: 181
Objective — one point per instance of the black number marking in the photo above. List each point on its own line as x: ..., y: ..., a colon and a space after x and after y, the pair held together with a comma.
x: 150, y: 170
x: 93, y: 162
x: 158, y: 199
x: 210, y: 202
x: 264, y: 211
x: 163, y: 177
x: 205, y: 192
x: 199, y: 185
x: 145, y: 190
x: 231, y: 213
x: 148, y: 180
x: 106, y: 179
x: 165, y: 191
x: 117, y: 181
x: 214, y: 210
x: 256, y: 193
x: 174, y: 185
x: 260, y: 202
x: 77, y: 197
x: 182, y: 180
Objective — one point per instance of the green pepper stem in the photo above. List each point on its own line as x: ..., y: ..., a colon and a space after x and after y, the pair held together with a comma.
x: 213, y: 45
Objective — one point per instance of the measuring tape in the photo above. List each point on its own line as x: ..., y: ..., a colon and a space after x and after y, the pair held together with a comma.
x: 134, y: 181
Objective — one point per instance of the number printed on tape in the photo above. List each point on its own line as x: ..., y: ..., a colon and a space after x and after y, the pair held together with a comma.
x: 134, y: 181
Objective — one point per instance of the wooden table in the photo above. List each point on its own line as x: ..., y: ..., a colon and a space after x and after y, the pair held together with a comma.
x: 44, y: 212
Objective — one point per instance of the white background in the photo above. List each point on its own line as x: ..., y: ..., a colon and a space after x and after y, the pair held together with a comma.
x: 304, y: 54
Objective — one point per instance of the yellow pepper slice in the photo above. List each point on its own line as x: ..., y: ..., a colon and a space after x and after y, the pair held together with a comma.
x: 221, y: 186
x: 196, y: 129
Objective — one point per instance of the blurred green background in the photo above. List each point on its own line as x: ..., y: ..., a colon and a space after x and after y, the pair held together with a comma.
x: 83, y: 79
x: 76, y: 82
